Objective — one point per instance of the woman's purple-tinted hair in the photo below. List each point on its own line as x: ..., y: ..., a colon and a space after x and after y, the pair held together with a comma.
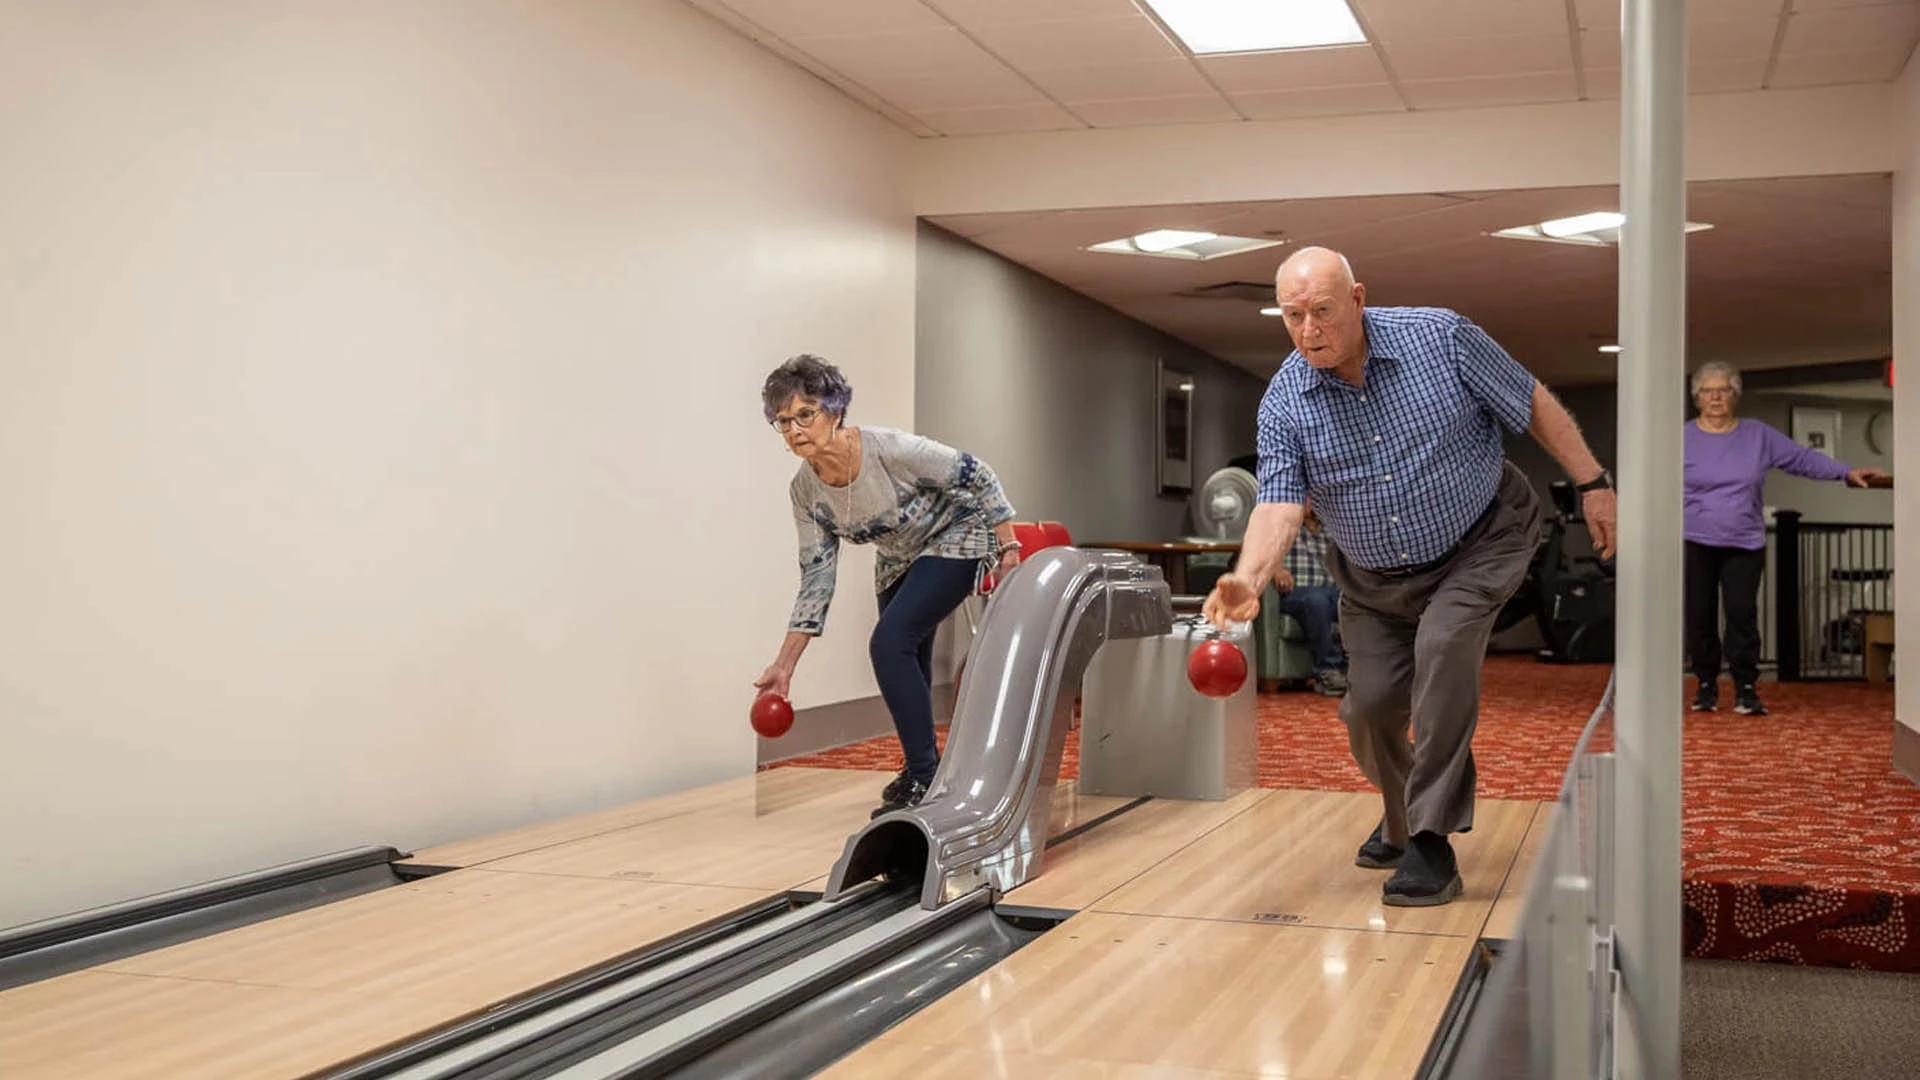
x: 806, y: 376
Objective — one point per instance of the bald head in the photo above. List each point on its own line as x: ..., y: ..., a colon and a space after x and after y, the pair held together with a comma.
x: 1322, y: 306
x: 1316, y: 265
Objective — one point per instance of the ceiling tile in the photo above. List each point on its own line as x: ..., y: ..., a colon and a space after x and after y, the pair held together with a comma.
x: 1718, y: 40
x: 1854, y: 29
x: 1037, y: 117
x: 1394, y: 20
x: 1703, y: 77
x: 907, y: 54
x: 834, y: 18
x: 972, y: 13
x: 1173, y: 110
x: 1297, y: 69
x: 1106, y: 82
x: 1003, y: 89
x: 1322, y: 101
x: 1489, y: 91
x: 1836, y: 68
x: 1605, y: 14
x: 1829, y: 5
x: 1069, y: 43
x: 1460, y: 58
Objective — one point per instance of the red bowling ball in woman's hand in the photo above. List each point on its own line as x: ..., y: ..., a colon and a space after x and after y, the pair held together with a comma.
x: 772, y: 715
x: 1217, y: 668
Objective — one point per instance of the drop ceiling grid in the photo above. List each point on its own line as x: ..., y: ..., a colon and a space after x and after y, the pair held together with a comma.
x: 966, y: 67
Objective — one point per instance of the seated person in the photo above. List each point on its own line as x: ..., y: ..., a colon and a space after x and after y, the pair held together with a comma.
x: 1307, y: 593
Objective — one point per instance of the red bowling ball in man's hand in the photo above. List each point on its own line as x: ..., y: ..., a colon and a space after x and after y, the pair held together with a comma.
x: 1217, y: 668
x: 772, y: 715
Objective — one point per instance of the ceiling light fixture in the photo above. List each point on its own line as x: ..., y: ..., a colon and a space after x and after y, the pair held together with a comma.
x: 1184, y: 244
x: 1598, y: 229
x: 1240, y: 26
x: 1160, y: 240
x: 1610, y: 348
x: 1270, y: 311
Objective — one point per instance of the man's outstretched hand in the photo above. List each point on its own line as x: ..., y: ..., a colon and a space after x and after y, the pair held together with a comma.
x: 1232, y: 601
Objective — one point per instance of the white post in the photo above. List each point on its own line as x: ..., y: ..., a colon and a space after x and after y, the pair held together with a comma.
x: 1646, y: 883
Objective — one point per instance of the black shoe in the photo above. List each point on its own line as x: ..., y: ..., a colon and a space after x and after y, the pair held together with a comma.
x: 905, y: 791
x: 1331, y: 683
x: 1707, y: 698
x: 1746, y: 702
x: 1376, y: 853
x: 1428, y: 876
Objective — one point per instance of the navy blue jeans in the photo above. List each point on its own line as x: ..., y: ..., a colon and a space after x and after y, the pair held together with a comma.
x: 911, y: 609
x: 1316, y: 608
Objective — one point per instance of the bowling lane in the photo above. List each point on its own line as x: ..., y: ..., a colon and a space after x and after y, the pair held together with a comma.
x: 107, y: 1026
x: 765, y: 792
x: 281, y: 998
x: 1081, y: 870
x: 1112, y: 995
x: 1503, y: 921
x: 1289, y: 860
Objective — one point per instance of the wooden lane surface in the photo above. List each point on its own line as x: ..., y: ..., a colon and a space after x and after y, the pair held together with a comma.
x: 1110, y: 995
x: 338, y: 981
x: 1289, y: 859
x: 1081, y: 870
x: 1504, y: 920
x: 310, y: 990
x: 1240, y: 944
x: 768, y: 792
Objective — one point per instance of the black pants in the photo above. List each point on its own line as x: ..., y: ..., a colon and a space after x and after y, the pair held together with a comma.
x: 1717, y: 575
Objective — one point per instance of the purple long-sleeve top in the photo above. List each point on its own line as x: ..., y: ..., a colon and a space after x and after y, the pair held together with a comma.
x: 1726, y: 472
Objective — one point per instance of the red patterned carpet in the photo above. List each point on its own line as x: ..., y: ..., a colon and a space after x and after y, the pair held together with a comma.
x: 1800, y: 844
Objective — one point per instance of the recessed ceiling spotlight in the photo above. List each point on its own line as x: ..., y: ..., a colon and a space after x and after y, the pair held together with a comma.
x: 1183, y: 244
x: 1598, y: 229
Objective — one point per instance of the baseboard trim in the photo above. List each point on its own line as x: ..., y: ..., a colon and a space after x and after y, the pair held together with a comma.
x: 842, y: 723
x: 1906, y: 751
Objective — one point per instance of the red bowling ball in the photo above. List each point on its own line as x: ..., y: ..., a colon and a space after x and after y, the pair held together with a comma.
x: 772, y: 715
x: 1217, y: 668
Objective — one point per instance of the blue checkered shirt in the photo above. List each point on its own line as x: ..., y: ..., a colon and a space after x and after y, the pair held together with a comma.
x: 1401, y: 466
x: 1307, y: 559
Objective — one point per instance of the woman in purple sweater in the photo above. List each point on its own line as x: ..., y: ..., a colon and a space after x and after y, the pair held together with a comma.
x: 1727, y: 461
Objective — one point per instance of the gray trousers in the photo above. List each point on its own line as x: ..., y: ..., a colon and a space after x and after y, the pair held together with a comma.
x: 1415, y: 644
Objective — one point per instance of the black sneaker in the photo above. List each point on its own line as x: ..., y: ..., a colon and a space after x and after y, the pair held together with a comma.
x: 905, y: 791
x: 1707, y: 698
x: 1746, y: 702
x: 1428, y: 876
x: 1331, y: 683
x: 1376, y: 853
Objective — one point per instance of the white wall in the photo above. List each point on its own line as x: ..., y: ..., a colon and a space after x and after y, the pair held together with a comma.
x: 1827, y: 131
x: 379, y: 427
x: 1906, y: 390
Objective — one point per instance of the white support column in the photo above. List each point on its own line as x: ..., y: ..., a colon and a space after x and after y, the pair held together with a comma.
x: 1646, y: 885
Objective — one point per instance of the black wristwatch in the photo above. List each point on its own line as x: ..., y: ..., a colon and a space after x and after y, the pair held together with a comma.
x: 1604, y: 480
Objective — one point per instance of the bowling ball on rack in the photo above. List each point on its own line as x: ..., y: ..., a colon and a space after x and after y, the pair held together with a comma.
x: 1217, y: 668
x: 772, y: 715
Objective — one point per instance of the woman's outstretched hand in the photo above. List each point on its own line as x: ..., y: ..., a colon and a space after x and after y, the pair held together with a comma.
x: 775, y: 679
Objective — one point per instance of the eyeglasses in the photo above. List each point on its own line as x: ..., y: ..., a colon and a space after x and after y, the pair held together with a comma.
x: 804, y: 418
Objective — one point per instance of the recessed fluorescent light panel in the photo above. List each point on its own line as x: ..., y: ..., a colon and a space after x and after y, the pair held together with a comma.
x: 1184, y: 244
x: 1609, y: 348
x: 1599, y: 229
x: 1238, y: 26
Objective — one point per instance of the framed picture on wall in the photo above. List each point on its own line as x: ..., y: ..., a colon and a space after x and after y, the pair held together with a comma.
x: 1173, y: 411
x: 1817, y: 429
